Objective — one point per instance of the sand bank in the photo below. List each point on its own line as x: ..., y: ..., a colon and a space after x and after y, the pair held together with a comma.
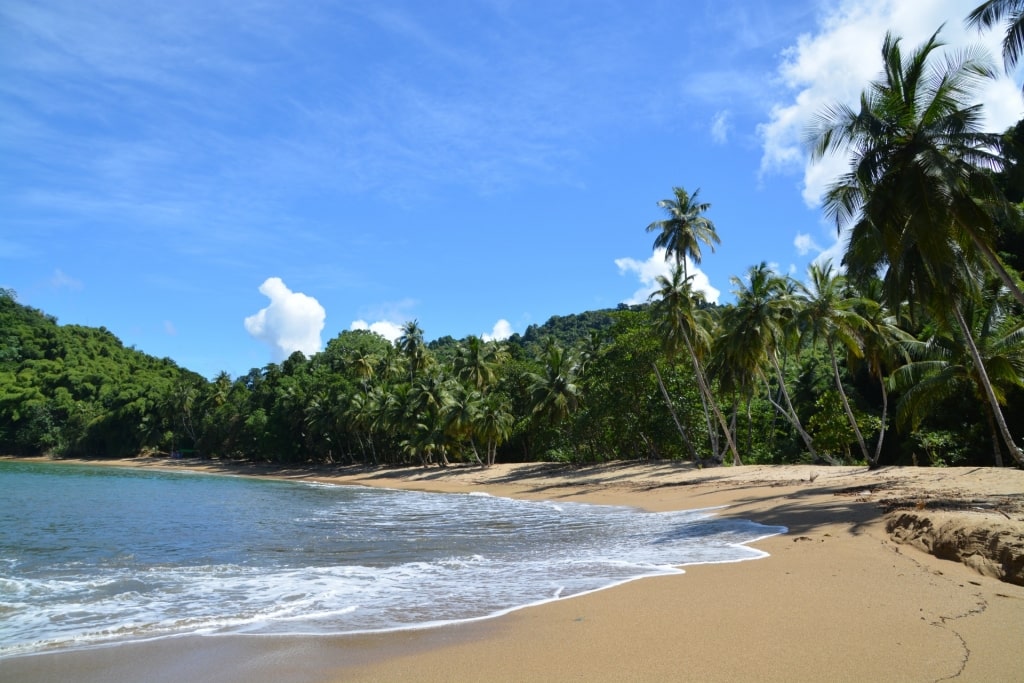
x: 839, y: 598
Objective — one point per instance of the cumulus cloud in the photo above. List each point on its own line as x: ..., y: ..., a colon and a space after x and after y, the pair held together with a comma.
x: 388, y: 318
x: 389, y: 330
x: 501, y: 331
x: 648, y: 271
x: 837, y: 62
x: 292, y: 322
x: 805, y: 244
x: 721, y: 126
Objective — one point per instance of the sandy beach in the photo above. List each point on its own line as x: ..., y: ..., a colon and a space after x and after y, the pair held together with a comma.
x: 849, y: 594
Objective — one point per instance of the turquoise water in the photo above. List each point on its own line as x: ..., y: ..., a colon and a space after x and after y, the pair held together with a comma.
x: 92, y: 555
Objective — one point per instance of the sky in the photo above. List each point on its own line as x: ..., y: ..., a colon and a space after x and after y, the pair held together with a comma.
x: 224, y: 182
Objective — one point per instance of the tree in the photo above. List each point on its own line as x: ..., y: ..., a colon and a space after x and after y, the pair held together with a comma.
x: 882, y: 350
x: 493, y: 422
x: 988, y: 14
x: 756, y: 330
x: 685, y: 229
x: 830, y: 314
x: 676, y: 316
x: 919, y: 188
x: 943, y: 366
x: 554, y: 391
x: 919, y: 194
x: 476, y: 362
x: 412, y: 347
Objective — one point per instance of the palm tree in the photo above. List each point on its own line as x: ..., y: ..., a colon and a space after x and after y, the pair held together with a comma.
x: 554, y: 392
x: 918, y: 190
x: 756, y: 328
x: 413, y: 348
x: 830, y: 313
x: 918, y: 193
x: 493, y: 423
x: 881, y: 349
x: 676, y: 316
x: 685, y: 229
x: 988, y: 14
x: 476, y: 362
x: 943, y: 367
x: 460, y: 417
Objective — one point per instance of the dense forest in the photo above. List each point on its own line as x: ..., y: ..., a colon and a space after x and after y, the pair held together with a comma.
x: 910, y: 351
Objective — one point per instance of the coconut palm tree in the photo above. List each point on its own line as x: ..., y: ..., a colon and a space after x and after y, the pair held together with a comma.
x: 757, y: 328
x: 554, y: 391
x: 918, y: 193
x: 685, y: 229
x: 829, y: 313
x: 677, y: 322
x: 412, y: 347
x: 476, y: 362
x: 493, y: 423
x: 943, y: 366
x: 993, y: 12
x: 882, y: 349
x: 460, y: 417
x: 918, y: 188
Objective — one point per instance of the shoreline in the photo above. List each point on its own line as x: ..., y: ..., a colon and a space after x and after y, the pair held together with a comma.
x: 837, y: 597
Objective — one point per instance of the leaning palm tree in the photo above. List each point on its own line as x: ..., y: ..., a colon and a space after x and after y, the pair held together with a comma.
x: 757, y: 328
x: 993, y: 12
x: 919, y: 194
x: 882, y: 349
x: 919, y: 177
x: 676, y: 320
x: 685, y: 229
x: 943, y: 367
x: 829, y: 313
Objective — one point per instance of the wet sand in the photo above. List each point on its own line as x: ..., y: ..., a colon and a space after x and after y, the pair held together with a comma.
x: 838, y: 599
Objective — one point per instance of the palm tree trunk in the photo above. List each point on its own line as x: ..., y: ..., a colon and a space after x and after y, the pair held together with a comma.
x: 702, y: 384
x: 997, y: 265
x: 750, y: 424
x: 675, y: 418
x: 790, y: 413
x: 846, y: 402
x: 986, y: 386
x: 881, y: 430
x: 994, y: 432
x: 476, y: 454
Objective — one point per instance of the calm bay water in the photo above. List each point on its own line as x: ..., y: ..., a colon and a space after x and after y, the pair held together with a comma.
x: 92, y: 555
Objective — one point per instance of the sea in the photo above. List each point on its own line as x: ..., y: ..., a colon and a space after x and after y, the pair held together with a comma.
x: 93, y: 555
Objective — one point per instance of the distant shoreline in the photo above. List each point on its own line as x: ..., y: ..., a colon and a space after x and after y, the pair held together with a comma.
x: 838, y: 597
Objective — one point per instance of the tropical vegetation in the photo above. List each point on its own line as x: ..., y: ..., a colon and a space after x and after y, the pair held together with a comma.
x: 908, y: 351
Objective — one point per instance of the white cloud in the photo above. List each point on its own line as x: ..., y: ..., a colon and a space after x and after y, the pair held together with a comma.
x: 721, y: 126
x: 838, y: 61
x: 389, y: 330
x: 501, y: 331
x: 649, y: 270
x: 292, y: 322
x: 389, y: 318
x: 805, y: 244
x: 170, y: 329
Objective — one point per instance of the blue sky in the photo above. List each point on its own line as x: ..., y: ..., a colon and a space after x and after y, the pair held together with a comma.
x: 223, y: 182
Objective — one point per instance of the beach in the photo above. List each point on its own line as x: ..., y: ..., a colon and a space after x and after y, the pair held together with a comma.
x: 839, y: 597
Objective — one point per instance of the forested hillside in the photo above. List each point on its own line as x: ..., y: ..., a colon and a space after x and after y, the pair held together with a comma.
x: 77, y: 390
